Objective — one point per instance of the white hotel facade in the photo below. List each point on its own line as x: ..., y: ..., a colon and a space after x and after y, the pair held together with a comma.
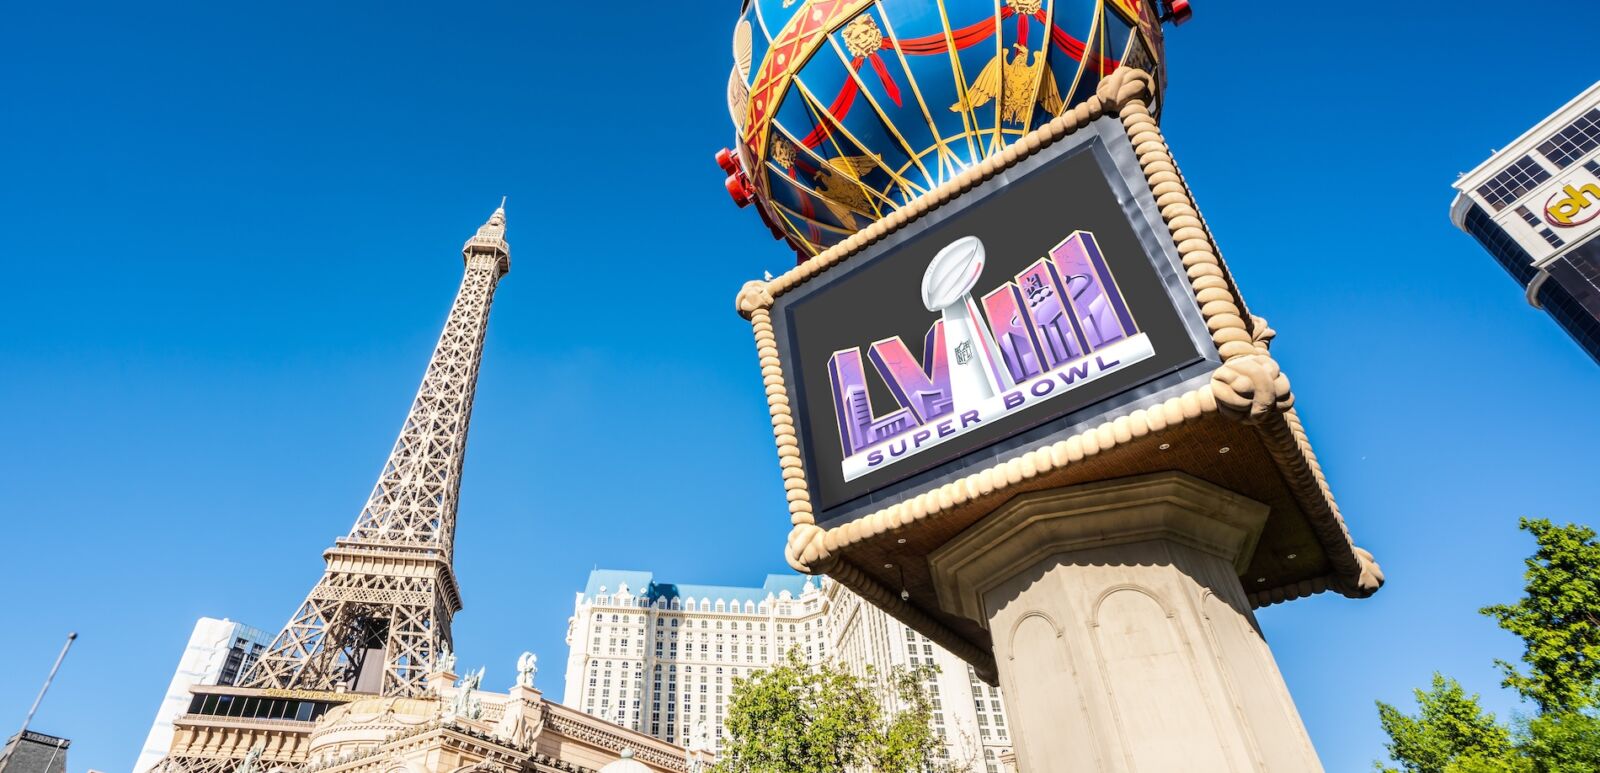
x: 1535, y: 206
x: 661, y: 658
x: 219, y: 652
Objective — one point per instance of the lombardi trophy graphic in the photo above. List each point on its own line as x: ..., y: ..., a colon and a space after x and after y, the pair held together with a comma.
x: 974, y: 359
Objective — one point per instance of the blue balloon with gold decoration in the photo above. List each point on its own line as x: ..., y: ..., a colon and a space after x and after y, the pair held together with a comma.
x: 845, y: 110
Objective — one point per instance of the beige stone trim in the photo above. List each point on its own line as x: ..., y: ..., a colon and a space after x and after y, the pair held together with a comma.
x: 1249, y: 386
x: 1169, y: 506
x: 1356, y: 574
x: 1122, y: 634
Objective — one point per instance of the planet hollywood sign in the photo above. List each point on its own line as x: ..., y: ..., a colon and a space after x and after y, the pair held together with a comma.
x: 1572, y: 205
x: 1049, y: 296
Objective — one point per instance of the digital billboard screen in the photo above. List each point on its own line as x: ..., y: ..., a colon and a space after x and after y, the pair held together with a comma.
x: 1031, y: 304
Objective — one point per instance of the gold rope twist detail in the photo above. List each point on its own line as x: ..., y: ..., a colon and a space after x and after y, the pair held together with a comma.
x: 1000, y: 479
x: 754, y: 303
x: 754, y: 295
x: 1220, y: 303
x: 1250, y: 387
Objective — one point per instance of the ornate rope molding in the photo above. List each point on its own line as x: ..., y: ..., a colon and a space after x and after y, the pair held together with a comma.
x: 754, y: 302
x: 1356, y: 574
x: 1251, y: 387
x: 1220, y: 302
x: 1248, y: 387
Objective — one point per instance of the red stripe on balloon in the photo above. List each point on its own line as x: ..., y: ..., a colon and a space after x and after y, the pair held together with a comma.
x: 839, y: 109
x: 889, y: 85
x: 1076, y: 49
x: 963, y: 38
x: 806, y: 209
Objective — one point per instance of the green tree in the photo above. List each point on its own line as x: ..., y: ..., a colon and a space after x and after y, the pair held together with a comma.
x: 903, y: 739
x: 1448, y: 731
x: 1558, y: 620
x: 1567, y: 742
x: 802, y: 718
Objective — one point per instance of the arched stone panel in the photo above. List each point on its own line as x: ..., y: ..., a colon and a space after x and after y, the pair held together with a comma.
x: 1153, y: 686
x: 1278, y: 740
x: 1036, y: 639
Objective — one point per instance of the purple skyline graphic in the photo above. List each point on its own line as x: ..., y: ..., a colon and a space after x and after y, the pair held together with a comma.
x: 1056, y: 312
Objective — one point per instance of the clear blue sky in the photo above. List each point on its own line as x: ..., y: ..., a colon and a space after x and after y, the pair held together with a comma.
x: 230, y: 237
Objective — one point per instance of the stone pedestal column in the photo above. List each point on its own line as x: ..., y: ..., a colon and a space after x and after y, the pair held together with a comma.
x: 1121, y: 630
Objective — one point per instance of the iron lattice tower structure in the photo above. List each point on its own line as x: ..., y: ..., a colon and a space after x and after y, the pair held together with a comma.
x: 380, y: 616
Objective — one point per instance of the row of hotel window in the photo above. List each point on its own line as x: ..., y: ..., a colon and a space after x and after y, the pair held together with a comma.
x: 604, y: 636
x: 704, y: 605
x: 1564, y: 148
x: 661, y: 622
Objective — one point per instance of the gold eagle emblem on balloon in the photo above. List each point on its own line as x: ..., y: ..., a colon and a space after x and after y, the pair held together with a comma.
x: 1019, y: 84
x: 841, y: 188
x: 838, y: 181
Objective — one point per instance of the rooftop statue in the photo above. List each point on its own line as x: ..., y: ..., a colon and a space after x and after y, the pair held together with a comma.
x: 527, y: 668
x: 466, y: 703
x: 252, y: 758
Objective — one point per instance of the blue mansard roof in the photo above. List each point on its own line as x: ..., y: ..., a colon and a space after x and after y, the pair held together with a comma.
x: 607, y: 581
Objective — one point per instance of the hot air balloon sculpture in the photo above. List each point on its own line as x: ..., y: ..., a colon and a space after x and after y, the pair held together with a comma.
x: 844, y: 110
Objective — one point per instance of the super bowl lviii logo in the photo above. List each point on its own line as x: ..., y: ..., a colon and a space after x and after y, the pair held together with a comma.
x: 1055, y: 326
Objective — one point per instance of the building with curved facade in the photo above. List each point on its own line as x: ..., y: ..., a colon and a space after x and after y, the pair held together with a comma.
x: 1535, y: 206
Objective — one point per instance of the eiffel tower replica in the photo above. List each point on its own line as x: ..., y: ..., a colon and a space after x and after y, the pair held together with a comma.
x: 379, y: 619
x: 378, y: 622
